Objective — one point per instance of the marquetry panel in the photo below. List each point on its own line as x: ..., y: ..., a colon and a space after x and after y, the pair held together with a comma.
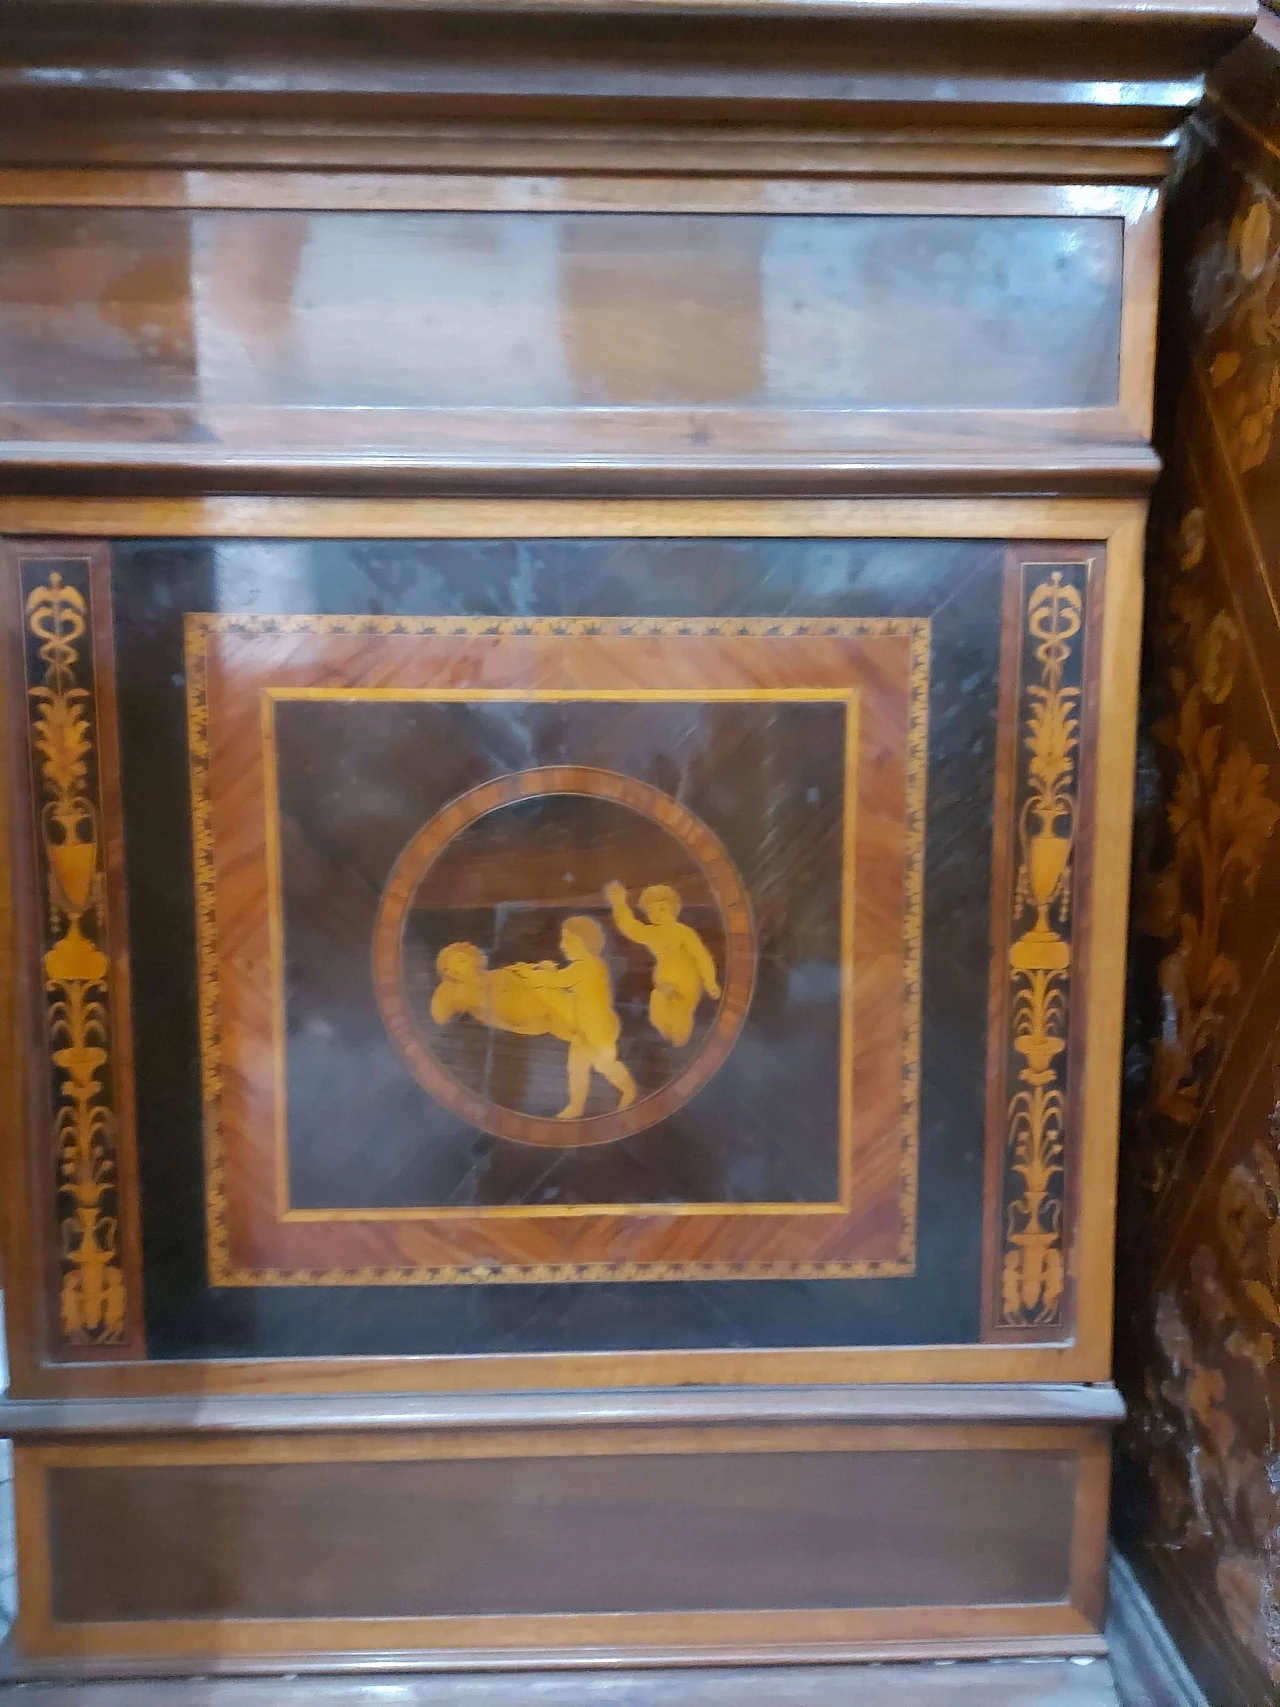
x: 1036, y: 874
x: 802, y: 741
x: 627, y: 929
x: 560, y: 1016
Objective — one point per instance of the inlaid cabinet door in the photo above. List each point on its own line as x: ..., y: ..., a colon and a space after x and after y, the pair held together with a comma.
x: 639, y: 937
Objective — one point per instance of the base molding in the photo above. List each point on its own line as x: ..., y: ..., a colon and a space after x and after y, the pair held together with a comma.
x: 992, y: 1683
x: 1148, y: 1667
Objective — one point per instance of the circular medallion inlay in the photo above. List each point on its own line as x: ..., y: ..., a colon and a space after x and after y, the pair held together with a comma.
x: 564, y: 956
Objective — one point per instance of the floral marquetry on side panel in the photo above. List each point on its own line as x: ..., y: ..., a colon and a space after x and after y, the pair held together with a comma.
x: 1241, y: 299
x: 1199, y: 1243
x: 1220, y: 813
x: 1202, y: 1177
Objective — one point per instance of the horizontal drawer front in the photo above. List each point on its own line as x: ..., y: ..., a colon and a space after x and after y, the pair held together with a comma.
x: 631, y: 1538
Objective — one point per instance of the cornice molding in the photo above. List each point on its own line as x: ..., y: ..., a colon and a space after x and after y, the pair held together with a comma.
x: 178, y: 81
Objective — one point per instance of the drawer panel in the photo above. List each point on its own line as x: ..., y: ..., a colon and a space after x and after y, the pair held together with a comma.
x: 565, y: 311
x: 636, y: 1541
x: 522, y: 322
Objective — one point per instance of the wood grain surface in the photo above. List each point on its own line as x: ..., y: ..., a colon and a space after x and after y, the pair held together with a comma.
x: 609, y: 1541
x: 367, y: 255
x: 255, y: 337
x: 297, y: 309
x: 216, y: 1413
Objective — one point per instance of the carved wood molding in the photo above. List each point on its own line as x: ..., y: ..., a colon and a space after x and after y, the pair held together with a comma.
x: 83, y: 83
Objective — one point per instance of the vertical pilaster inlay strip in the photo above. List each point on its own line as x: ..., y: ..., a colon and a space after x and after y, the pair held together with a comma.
x: 62, y: 732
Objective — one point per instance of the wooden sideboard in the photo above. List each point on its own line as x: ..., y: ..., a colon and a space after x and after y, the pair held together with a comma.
x: 570, y: 584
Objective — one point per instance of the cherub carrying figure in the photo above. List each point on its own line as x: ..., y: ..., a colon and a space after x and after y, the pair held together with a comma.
x: 573, y: 1003
x: 683, y: 969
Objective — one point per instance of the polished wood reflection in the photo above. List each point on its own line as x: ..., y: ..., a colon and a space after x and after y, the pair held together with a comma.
x: 434, y: 310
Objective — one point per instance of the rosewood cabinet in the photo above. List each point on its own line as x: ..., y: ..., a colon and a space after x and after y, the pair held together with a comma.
x: 570, y: 591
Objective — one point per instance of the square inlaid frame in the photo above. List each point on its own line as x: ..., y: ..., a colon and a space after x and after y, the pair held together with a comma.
x: 860, y: 1233
x: 1102, y: 528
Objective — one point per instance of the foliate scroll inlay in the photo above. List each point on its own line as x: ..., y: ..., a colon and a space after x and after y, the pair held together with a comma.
x: 1040, y: 959
x: 62, y: 735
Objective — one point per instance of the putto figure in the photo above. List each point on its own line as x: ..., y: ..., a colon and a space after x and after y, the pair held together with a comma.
x: 573, y: 1003
x: 683, y: 970
x: 500, y: 997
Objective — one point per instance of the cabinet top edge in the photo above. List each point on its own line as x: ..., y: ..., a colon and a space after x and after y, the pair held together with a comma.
x: 877, y: 62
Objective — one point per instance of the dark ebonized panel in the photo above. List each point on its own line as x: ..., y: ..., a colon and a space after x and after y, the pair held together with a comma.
x: 956, y: 584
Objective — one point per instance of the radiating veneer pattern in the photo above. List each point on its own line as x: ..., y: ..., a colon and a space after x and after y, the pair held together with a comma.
x: 801, y: 740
